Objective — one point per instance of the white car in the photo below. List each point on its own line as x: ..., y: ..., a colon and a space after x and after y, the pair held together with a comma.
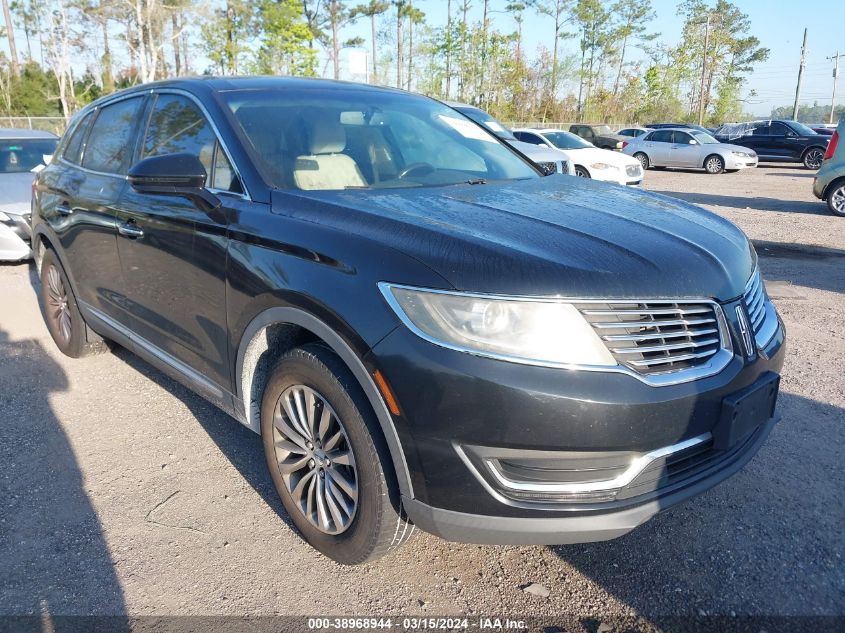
x: 549, y: 159
x: 589, y: 161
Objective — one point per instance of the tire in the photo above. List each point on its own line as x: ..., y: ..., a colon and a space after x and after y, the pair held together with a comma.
x: 61, y: 312
x: 581, y: 172
x: 344, y: 499
x: 714, y: 164
x: 813, y: 158
x: 644, y: 161
x: 835, y: 198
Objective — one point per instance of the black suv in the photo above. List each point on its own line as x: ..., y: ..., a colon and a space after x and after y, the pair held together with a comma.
x: 778, y: 141
x: 421, y: 328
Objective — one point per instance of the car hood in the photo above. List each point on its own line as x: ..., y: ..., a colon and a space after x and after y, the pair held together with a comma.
x: 538, y: 153
x: 590, y: 155
x: 16, y: 192
x: 552, y: 236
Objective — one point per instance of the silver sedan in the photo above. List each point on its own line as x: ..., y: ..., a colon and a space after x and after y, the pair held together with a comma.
x: 20, y: 152
x: 690, y: 149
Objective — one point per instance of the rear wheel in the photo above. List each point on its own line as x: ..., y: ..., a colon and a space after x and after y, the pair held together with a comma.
x: 581, y: 172
x: 61, y: 313
x: 714, y: 164
x: 328, y: 460
x: 640, y: 156
x: 836, y: 198
x: 813, y: 158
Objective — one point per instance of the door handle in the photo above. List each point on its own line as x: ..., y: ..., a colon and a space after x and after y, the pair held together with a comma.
x: 130, y: 229
x: 63, y: 209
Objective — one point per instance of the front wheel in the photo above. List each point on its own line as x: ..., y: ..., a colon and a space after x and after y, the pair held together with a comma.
x: 836, y: 198
x: 581, y: 172
x: 714, y: 164
x: 813, y: 158
x: 328, y: 460
x: 640, y: 156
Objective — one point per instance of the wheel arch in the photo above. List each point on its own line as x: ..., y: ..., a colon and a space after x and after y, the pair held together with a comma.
x: 811, y: 148
x: 711, y: 155
x: 830, y: 186
x: 276, y: 330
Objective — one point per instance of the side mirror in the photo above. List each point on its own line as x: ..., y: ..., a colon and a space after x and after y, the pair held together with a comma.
x: 174, y: 175
x: 692, y: 141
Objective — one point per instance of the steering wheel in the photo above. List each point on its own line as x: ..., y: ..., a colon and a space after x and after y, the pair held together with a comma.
x: 422, y: 168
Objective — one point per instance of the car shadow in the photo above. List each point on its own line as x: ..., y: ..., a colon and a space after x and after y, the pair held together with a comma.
x: 766, y: 522
x: 750, y: 202
x: 241, y: 446
x: 55, y: 561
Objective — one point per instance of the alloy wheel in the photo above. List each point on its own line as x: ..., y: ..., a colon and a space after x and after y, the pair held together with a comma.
x: 643, y: 160
x: 814, y: 159
x: 714, y: 165
x: 57, y: 304
x: 581, y: 172
x: 315, y: 459
x: 837, y: 200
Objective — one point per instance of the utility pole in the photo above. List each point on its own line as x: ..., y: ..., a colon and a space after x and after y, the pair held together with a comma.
x: 703, y: 72
x: 800, y: 76
x: 10, y: 33
x: 835, y: 59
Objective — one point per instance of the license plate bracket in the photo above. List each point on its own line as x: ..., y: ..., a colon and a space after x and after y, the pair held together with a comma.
x: 745, y: 410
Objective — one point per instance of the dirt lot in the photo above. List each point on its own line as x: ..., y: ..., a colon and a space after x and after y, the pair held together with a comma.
x: 122, y: 492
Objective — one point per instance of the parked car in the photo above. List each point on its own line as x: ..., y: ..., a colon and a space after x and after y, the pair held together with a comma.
x: 589, y: 161
x: 549, y: 159
x: 21, y: 151
x: 778, y: 141
x: 829, y: 183
x: 690, y: 149
x: 599, y: 135
x: 421, y: 328
x: 633, y: 131
x: 690, y: 126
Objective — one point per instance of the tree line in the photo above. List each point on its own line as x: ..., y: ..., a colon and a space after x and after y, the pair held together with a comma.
x: 599, y: 60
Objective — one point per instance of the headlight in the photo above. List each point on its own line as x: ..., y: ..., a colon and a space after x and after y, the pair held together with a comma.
x: 743, y: 154
x: 601, y: 166
x: 619, y: 144
x: 533, y: 331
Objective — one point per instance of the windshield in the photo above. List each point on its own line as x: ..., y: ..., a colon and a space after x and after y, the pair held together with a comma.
x: 482, y: 118
x: 332, y: 139
x: 703, y: 137
x: 22, y: 155
x: 802, y: 129
x: 565, y: 140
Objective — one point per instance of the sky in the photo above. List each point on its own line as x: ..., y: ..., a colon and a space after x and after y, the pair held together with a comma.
x: 778, y: 24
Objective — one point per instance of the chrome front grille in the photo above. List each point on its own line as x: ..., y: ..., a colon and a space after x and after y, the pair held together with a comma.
x: 548, y: 167
x: 658, y: 336
x: 760, y: 310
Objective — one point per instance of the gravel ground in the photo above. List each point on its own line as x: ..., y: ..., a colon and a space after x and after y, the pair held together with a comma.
x: 121, y: 492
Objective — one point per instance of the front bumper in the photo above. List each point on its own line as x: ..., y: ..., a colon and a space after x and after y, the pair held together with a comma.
x: 15, y: 237
x: 455, y: 404
x: 737, y: 162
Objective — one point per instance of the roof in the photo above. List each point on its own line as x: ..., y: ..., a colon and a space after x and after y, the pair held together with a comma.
x: 198, y: 85
x: 539, y: 130
x: 17, y: 133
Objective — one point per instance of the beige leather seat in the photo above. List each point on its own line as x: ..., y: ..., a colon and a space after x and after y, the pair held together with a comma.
x: 325, y: 167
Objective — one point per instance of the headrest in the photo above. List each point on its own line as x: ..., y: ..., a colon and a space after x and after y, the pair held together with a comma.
x: 326, y: 137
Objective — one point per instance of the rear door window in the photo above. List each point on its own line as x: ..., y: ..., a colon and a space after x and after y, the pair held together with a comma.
x: 661, y: 136
x: 110, y: 144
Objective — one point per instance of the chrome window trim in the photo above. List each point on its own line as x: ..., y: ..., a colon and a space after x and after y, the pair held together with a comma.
x: 713, y: 366
x: 636, y: 467
x: 168, y: 90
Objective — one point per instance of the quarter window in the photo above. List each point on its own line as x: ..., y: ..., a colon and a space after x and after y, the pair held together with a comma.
x: 177, y: 126
x: 110, y: 141
x: 73, y: 149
